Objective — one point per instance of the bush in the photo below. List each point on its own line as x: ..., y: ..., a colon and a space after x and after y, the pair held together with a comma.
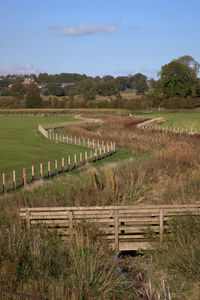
x: 33, y: 101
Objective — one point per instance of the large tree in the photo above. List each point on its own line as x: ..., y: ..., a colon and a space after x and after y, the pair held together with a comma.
x: 139, y: 82
x: 33, y: 99
x: 178, y: 80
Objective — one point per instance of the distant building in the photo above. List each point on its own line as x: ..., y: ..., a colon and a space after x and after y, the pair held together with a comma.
x: 28, y: 81
x: 68, y: 84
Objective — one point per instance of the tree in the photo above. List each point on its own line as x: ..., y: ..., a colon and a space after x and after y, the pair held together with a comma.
x: 108, y: 88
x: 178, y: 80
x: 190, y: 62
x: 18, y: 90
x: 139, y: 82
x: 33, y: 99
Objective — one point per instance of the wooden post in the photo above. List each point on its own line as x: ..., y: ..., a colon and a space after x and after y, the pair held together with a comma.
x: 41, y: 171
x: 33, y: 173
x: 98, y: 144
x: 56, y: 137
x: 24, y: 176
x: 49, y: 169
x: 14, y: 180
x: 83, y: 142
x: 161, y: 224
x: 116, y: 226
x: 95, y: 153
x: 69, y: 161
x: 4, y: 182
x: 79, y: 141
x: 74, y: 160
x: 104, y: 150
x: 63, y: 163
x: 70, y: 221
x: 75, y: 140
x: 100, y: 152
x: 81, y: 157
x: 86, y: 156
x: 111, y: 147
x: 56, y: 166
x: 28, y: 221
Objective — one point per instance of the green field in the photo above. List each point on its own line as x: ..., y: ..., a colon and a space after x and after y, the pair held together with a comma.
x: 178, y: 119
x: 22, y: 145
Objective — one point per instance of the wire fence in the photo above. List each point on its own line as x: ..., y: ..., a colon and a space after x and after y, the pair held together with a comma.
x: 22, y: 176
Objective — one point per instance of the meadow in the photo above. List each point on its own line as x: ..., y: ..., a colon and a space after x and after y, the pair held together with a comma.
x: 149, y: 168
x: 184, y: 119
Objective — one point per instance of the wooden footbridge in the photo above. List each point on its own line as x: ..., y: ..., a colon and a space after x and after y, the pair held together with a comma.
x: 124, y: 226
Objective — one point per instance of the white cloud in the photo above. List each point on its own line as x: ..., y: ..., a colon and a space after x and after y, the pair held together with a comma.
x: 18, y: 69
x: 83, y: 29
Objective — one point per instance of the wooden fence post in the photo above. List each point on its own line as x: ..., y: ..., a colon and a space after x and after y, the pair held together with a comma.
x: 69, y: 161
x: 33, y: 173
x: 56, y: 166
x: 98, y: 144
x: 75, y: 140
x: 41, y: 171
x: 56, y: 137
x: 4, y: 182
x: 74, y: 160
x: 24, y: 176
x: 28, y: 220
x: 83, y: 142
x: 79, y: 141
x: 100, y: 152
x: 81, y: 157
x: 116, y: 226
x: 86, y: 156
x: 49, y: 169
x: 93, y: 143
x: 14, y: 180
x: 161, y: 224
x: 63, y: 163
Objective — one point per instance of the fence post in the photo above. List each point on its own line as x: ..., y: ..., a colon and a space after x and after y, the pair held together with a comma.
x: 83, y: 142
x: 69, y: 161
x: 14, y: 180
x: 116, y: 226
x: 49, y: 169
x: 63, y: 163
x: 79, y: 141
x: 74, y: 160
x: 93, y: 143
x: 33, y: 173
x: 41, y: 171
x: 4, y: 182
x: 21, y: 289
x: 161, y: 224
x: 70, y: 221
x: 56, y: 137
x: 100, y: 152
x: 86, y: 156
x: 24, y: 176
x: 56, y: 166
x: 28, y: 221
x: 0, y: 289
x: 81, y: 157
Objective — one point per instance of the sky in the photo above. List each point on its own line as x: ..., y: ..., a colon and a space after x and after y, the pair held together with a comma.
x: 96, y: 37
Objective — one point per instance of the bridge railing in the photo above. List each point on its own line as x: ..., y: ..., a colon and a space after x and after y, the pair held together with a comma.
x: 125, y: 227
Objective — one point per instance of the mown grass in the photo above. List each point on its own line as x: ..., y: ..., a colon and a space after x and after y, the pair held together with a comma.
x: 189, y: 120
x: 22, y: 145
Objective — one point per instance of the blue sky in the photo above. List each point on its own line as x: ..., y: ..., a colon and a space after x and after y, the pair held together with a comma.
x: 96, y: 37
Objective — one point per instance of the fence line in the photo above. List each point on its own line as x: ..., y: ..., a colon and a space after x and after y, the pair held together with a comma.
x: 69, y: 139
x: 67, y: 294
x: 19, y: 178
x: 98, y: 150
x: 179, y: 130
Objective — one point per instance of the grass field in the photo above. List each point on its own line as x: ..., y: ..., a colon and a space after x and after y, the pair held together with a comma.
x: 22, y: 145
x: 178, y: 119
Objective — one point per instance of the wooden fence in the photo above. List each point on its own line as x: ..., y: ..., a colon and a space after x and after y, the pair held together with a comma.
x: 176, y: 130
x: 125, y: 227
x: 98, y: 150
x: 22, y: 177
x: 78, y: 141
x: 67, y: 294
